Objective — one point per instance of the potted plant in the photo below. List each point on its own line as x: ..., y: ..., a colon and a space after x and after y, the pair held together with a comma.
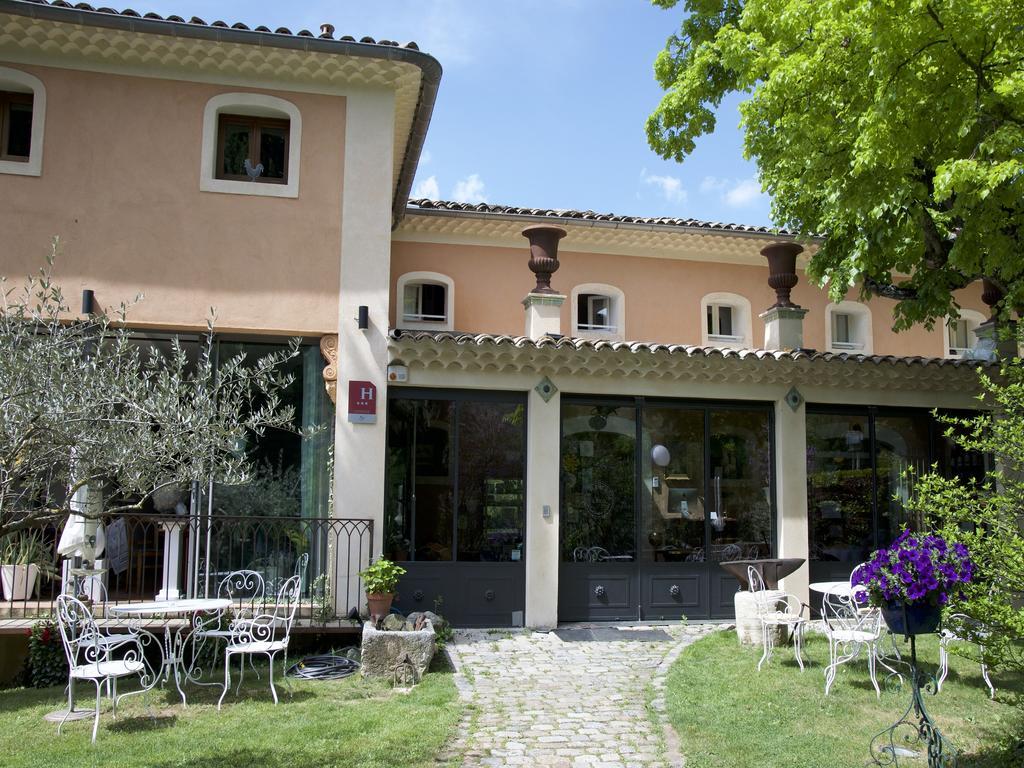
x: 23, y: 556
x: 380, y: 580
x: 912, y: 579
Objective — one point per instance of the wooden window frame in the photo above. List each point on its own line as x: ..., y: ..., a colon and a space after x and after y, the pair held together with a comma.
x: 6, y: 99
x: 255, y: 125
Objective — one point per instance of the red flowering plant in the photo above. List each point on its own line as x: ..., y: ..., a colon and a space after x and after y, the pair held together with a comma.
x: 46, y: 664
x: 915, y: 569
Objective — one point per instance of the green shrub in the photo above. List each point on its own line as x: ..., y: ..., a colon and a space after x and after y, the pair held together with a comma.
x: 46, y: 664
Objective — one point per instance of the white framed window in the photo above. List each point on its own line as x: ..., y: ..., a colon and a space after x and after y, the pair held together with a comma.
x: 725, y: 321
x: 22, y: 122
x: 425, y: 301
x: 598, y: 311
x: 251, y: 145
x: 848, y: 328
x: 960, y: 333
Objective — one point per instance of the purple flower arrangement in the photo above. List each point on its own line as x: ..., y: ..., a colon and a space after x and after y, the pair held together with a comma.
x: 915, y: 569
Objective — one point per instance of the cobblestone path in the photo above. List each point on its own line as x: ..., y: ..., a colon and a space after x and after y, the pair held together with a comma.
x: 574, y: 699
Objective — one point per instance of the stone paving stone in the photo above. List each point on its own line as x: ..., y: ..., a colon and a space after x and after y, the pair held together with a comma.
x: 538, y: 700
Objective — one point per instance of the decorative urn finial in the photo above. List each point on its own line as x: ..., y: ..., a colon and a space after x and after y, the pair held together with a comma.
x: 543, y: 254
x: 991, y: 294
x: 782, y: 275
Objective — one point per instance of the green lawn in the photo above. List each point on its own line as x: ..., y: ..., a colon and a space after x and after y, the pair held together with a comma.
x: 728, y: 714
x: 348, y: 722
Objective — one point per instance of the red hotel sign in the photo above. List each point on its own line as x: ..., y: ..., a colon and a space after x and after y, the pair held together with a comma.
x: 362, y: 402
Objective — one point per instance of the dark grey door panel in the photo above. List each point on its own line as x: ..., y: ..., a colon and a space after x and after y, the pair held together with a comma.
x: 670, y: 592
x: 467, y: 594
x: 597, y: 592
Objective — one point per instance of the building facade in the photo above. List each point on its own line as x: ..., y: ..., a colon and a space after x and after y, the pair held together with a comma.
x: 523, y: 457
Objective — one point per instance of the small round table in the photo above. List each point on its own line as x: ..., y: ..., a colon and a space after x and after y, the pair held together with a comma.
x: 841, y: 588
x: 174, y: 642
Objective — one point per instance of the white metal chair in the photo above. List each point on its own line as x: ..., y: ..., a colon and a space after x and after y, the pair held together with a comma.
x: 953, y: 631
x: 850, y: 630
x: 266, y: 633
x: 89, y: 654
x: 776, y: 609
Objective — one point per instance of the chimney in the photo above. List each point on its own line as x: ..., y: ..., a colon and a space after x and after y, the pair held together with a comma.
x: 997, y: 339
x: 543, y: 304
x: 784, y: 320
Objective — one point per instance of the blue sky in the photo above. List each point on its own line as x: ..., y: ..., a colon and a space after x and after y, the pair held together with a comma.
x: 542, y: 102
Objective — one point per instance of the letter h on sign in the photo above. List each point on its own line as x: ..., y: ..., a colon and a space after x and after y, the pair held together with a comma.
x: 362, y: 402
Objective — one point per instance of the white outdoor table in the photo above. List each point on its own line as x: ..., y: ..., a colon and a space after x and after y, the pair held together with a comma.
x: 832, y: 588
x: 174, y: 641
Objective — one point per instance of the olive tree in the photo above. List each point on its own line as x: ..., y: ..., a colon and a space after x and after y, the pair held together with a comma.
x: 83, y: 405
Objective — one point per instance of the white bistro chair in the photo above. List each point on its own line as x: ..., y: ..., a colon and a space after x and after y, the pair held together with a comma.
x: 776, y: 610
x: 90, y: 654
x: 246, y: 590
x: 850, y: 630
x: 953, y: 632
x: 266, y: 633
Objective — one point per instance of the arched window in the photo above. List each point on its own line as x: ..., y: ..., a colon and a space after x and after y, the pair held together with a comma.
x: 848, y: 328
x: 726, y: 320
x: 598, y: 311
x: 251, y: 145
x: 22, y: 119
x: 426, y: 300
x: 960, y: 333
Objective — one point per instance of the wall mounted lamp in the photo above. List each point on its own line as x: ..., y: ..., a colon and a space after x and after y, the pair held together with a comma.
x: 363, y: 317
x: 88, y: 301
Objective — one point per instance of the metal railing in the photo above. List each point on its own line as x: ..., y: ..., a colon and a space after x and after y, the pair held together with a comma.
x: 159, y: 557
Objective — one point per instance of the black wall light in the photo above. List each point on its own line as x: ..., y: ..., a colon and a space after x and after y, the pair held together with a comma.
x: 363, y: 318
x: 88, y: 301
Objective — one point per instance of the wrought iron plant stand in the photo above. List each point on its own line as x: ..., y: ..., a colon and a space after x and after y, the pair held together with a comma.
x: 903, y: 741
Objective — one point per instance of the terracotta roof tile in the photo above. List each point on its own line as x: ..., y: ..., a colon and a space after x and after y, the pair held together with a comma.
x: 687, y: 350
x: 510, y: 210
x: 223, y: 24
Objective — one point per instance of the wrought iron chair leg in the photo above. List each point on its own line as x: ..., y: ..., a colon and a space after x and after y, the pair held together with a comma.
x: 273, y: 690
x: 943, y: 664
x: 96, y: 720
x: 830, y: 670
x: 985, y: 677
x: 797, y: 641
x: 227, y: 678
x: 871, y: 672
x: 241, y: 673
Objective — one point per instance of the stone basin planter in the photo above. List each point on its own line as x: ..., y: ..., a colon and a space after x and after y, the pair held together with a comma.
x: 401, y: 655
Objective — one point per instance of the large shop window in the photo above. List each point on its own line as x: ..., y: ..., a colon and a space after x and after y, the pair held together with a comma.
x: 455, y: 477
x: 860, y: 469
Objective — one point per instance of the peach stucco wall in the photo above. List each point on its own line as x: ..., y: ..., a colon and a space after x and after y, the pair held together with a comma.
x: 120, y: 186
x: 662, y: 296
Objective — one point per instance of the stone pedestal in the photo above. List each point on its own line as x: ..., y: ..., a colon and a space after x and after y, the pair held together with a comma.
x: 783, y: 328
x: 543, y: 314
x: 397, y: 654
x: 748, y: 625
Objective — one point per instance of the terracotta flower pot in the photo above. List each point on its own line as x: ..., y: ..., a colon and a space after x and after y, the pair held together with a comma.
x: 912, y: 618
x: 379, y: 604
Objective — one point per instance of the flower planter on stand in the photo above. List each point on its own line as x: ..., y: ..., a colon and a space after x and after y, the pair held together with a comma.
x: 909, y: 619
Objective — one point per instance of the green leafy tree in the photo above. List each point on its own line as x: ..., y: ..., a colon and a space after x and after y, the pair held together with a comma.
x: 892, y: 128
x: 987, y: 518
x: 83, y: 404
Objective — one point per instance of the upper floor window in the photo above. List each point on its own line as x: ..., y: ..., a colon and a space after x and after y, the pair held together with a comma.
x: 251, y: 145
x: 252, y: 149
x: 598, y: 311
x: 425, y: 301
x: 15, y: 126
x: 22, y: 110
x: 726, y: 320
x: 960, y: 333
x: 849, y: 328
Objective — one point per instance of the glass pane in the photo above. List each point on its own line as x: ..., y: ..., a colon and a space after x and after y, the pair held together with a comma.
x: 433, y: 302
x: 236, y: 148
x: 958, y: 335
x: 492, y: 454
x: 19, y: 131
x: 711, y: 319
x: 739, y: 508
x: 420, y: 482
x: 583, y: 310
x: 600, y: 312
x: 598, y: 482
x: 725, y: 321
x: 411, y: 302
x: 902, y: 444
x: 673, y: 508
x: 839, y: 487
x: 273, y: 151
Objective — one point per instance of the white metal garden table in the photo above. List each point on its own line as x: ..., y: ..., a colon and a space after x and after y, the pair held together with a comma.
x: 175, y: 637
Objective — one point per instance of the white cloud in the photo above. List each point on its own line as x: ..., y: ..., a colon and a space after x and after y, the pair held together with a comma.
x: 470, y: 190
x: 427, y: 188
x: 671, y: 187
x: 425, y: 157
x: 735, y: 193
